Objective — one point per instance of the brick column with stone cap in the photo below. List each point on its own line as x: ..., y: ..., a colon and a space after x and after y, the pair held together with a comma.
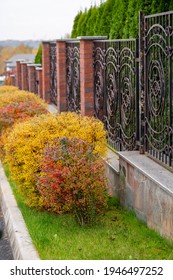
x: 61, y: 75
x: 87, y: 74
x: 32, y: 77
x: 18, y: 74
x: 46, y: 70
x: 12, y: 80
x: 24, y: 85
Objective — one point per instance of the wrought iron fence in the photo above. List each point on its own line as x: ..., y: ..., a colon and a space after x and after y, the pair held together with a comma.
x: 36, y: 81
x: 73, y: 75
x: 53, y: 80
x: 131, y: 119
x: 116, y: 91
x: 158, y: 53
x: 27, y: 79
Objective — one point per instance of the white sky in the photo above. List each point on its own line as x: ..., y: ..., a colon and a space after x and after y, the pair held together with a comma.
x: 39, y: 19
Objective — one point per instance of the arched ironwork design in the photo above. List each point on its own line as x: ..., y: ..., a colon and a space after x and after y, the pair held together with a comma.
x: 73, y: 76
x: 53, y: 78
x: 116, y: 92
x: 158, y: 86
x: 129, y: 95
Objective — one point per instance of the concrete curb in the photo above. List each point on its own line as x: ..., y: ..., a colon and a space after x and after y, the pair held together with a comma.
x: 21, y: 243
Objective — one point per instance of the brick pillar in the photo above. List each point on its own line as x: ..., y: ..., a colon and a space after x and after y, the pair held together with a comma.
x: 40, y: 81
x: 86, y: 77
x: 18, y: 74
x: 87, y: 74
x: 61, y: 75
x: 24, y: 76
x: 46, y: 70
x: 12, y: 80
x: 31, y: 78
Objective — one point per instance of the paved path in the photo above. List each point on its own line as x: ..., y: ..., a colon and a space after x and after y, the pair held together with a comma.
x: 5, y: 248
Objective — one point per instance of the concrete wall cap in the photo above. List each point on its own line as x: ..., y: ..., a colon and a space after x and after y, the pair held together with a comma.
x: 92, y: 37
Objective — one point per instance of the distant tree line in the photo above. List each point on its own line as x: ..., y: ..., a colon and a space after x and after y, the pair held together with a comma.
x: 9, y: 51
x: 116, y: 18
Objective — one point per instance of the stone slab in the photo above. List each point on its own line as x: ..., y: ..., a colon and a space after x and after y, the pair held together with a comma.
x: 157, y: 173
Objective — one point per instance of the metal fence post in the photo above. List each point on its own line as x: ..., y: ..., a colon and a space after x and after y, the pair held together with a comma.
x: 141, y: 82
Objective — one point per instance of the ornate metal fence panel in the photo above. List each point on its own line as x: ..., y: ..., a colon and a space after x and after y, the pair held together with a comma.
x: 116, y: 91
x: 27, y: 79
x: 53, y: 80
x: 158, y: 86
x: 73, y: 75
x: 36, y: 81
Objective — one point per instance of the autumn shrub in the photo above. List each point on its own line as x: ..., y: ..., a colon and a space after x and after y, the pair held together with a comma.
x: 26, y: 142
x: 12, y: 95
x: 72, y: 178
x: 7, y: 89
x: 19, y: 112
x: 16, y: 106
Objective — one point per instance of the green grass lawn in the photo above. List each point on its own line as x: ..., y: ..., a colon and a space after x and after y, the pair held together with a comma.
x: 117, y: 235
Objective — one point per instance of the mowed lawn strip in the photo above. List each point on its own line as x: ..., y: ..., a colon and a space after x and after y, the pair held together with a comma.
x: 118, y: 235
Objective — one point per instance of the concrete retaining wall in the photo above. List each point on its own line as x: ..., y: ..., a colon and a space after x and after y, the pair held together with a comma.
x: 147, y: 188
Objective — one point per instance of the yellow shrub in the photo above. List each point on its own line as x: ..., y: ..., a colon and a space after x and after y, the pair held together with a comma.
x: 25, y: 144
x: 7, y: 89
x: 16, y: 106
x: 12, y: 95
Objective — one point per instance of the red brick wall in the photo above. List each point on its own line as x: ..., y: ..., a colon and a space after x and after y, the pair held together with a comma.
x: 46, y: 70
x: 86, y: 77
x: 31, y: 77
x: 24, y: 85
x: 18, y: 74
x: 61, y: 75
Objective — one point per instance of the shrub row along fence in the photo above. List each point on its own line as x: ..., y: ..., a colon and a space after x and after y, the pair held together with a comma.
x: 127, y: 84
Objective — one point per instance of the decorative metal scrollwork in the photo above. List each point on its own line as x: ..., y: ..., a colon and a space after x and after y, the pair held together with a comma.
x: 99, y: 83
x: 128, y: 95
x: 73, y: 76
x: 115, y: 92
x: 53, y: 79
x: 111, y: 95
x: 36, y: 82
x: 158, y: 87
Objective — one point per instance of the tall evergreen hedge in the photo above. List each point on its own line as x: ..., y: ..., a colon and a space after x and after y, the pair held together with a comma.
x: 116, y: 18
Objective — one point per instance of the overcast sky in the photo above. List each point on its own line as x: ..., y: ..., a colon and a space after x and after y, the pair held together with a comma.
x: 39, y: 19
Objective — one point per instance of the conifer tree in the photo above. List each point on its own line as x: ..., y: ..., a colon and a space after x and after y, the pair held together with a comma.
x: 118, y: 19
x: 81, y: 27
x: 164, y: 5
x: 106, y: 17
x: 38, y: 57
x: 171, y: 5
x: 132, y: 16
x: 75, y: 24
x: 91, y: 21
x: 97, y: 26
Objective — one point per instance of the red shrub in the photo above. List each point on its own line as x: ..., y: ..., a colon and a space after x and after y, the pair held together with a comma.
x: 73, y: 179
x: 19, y: 112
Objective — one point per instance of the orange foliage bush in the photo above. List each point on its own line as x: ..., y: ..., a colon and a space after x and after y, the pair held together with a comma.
x: 26, y: 142
x: 72, y: 178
